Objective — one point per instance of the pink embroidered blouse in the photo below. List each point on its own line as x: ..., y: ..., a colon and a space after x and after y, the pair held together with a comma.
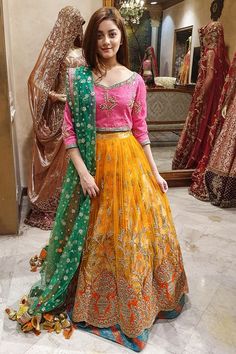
x: 119, y: 107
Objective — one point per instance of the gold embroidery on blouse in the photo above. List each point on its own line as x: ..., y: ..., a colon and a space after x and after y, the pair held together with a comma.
x: 131, y: 102
x: 110, y: 102
x: 135, y: 105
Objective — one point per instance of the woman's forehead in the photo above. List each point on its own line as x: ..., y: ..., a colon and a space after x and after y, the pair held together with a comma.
x: 107, y: 25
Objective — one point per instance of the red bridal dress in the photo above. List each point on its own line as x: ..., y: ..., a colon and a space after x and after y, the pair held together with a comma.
x: 220, y: 175
x: 213, y: 67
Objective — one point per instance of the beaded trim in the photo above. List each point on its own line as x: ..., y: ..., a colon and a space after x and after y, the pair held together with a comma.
x: 113, y: 129
x: 125, y: 82
x: 146, y: 142
x: 71, y: 146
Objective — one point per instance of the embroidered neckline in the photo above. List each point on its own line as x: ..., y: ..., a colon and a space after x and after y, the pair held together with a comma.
x: 118, y: 84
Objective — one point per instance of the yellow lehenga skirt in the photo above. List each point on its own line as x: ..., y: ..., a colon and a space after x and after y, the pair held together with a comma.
x: 131, y: 268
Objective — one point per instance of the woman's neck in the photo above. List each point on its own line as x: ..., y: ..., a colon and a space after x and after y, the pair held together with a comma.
x: 110, y: 64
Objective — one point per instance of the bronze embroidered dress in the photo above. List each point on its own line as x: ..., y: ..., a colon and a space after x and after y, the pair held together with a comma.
x: 45, y: 84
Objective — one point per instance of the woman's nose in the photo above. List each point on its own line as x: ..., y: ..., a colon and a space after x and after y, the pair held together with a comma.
x: 106, y: 39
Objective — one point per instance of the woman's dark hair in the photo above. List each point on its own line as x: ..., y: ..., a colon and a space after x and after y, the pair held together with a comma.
x: 90, y: 38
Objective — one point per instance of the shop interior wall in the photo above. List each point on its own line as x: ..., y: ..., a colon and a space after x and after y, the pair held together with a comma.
x: 28, y: 23
x: 9, y: 211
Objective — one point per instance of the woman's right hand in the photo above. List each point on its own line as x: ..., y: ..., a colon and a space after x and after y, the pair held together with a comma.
x: 88, y: 185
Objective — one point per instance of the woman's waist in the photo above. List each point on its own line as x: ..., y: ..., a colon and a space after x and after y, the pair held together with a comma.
x: 104, y: 135
x: 102, y: 129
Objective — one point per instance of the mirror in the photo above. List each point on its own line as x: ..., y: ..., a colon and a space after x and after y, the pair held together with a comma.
x: 182, y: 55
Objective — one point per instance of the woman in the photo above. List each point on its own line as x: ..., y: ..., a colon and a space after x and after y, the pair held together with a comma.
x: 113, y: 258
x: 47, y: 102
x: 212, y: 71
x: 220, y: 174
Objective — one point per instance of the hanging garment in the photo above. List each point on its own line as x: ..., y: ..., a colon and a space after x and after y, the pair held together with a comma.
x: 212, y: 71
x: 220, y: 174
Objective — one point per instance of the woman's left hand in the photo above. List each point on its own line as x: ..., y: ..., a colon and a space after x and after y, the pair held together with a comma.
x: 162, y: 183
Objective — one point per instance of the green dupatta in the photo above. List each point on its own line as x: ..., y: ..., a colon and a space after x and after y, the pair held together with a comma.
x: 71, y: 224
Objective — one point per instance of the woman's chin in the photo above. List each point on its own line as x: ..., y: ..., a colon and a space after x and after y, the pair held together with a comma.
x: 107, y: 56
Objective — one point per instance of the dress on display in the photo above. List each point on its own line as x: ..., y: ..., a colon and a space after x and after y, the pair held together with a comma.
x: 46, y: 81
x: 198, y: 187
x: 220, y: 175
x: 114, y: 261
x: 184, y: 70
x: 149, y: 68
x: 213, y: 68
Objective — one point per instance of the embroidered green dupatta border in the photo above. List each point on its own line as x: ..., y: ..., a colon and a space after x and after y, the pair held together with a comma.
x: 71, y: 224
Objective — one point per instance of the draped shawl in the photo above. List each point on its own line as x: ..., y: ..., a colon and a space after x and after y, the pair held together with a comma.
x: 72, y: 218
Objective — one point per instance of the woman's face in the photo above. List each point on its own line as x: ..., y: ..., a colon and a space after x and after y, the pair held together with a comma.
x: 108, y: 39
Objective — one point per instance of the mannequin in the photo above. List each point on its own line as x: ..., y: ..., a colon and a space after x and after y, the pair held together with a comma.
x: 213, y: 67
x: 220, y: 174
x: 46, y: 87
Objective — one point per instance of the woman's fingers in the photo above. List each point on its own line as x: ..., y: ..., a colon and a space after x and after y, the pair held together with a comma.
x: 89, y: 186
x: 165, y: 186
x: 162, y: 184
x: 92, y: 191
x: 96, y: 189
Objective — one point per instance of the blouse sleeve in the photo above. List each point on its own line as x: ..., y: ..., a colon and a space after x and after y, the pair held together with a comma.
x: 68, y: 132
x: 139, y: 113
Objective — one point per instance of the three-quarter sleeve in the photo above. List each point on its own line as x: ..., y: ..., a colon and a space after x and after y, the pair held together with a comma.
x: 139, y: 113
x: 68, y: 132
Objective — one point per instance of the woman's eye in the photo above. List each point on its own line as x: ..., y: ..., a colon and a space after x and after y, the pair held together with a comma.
x: 112, y: 35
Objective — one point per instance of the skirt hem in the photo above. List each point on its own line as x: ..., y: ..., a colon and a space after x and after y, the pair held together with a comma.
x: 161, y: 314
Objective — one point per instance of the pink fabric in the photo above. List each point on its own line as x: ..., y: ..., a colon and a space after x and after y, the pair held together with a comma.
x: 118, y: 107
x: 68, y: 130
